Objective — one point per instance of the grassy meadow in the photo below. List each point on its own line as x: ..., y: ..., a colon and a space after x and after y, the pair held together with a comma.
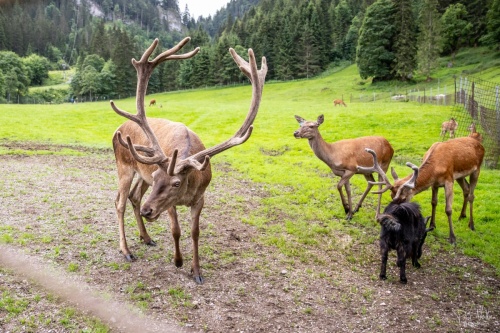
x: 303, y: 206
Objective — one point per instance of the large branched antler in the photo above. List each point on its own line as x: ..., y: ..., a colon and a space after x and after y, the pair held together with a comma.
x: 378, y: 169
x: 144, y: 68
x: 257, y: 78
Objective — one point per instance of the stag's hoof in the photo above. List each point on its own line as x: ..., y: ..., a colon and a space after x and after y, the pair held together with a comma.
x: 416, y: 264
x: 150, y: 242
x: 130, y: 257
x: 383, y: 277
x: 198, y: 279
x: 178, y: 262
x: 403, y: 280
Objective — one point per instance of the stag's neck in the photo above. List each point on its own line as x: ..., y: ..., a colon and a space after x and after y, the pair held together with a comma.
x: 321, y: 149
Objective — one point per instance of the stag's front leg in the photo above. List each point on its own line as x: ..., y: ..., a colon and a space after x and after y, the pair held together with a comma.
x: 434, y: 202
x: 473, y: 182
x: 176, y: 234
x: 448, y: 189
x: 466, y: 191
x: 124, y: 183
x: 135, y: 198
x: 195, y: 234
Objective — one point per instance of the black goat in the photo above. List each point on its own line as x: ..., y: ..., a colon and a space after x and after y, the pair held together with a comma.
x: 404, y: 230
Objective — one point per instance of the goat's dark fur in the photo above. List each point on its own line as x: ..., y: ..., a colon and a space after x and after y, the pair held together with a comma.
x: 403, y: 230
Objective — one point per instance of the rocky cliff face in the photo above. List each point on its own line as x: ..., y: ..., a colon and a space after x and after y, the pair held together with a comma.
x: 172, y: 17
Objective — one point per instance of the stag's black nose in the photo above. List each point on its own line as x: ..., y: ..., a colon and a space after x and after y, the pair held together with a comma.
x: 296, y: 134
x: 146, y: 212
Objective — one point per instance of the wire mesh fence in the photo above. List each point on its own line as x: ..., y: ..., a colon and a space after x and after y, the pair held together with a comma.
x: 477, y: 106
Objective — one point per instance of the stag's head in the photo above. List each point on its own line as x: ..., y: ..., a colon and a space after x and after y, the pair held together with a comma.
x: 172, y: 182
x: 402, y: 190
x: 308, y: 129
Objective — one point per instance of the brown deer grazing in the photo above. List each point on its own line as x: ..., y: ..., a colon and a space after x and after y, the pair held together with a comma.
x: 152, y: 102
x: 442, y: 164
x: 449, y: 126
x: 169, y: 157
x: 344, y: 156
x: 339, y: 102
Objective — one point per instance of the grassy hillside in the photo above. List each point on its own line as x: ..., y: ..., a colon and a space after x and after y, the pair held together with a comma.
x: 304, y: 202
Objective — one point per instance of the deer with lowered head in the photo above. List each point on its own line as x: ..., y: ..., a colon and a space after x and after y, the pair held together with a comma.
x: 170, y: 157
x: 442, y: 165
x: 344, y: 156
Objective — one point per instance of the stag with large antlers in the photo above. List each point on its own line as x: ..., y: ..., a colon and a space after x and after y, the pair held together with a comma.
x: 442, y: 164
x: 170, y: 157
x: 344, y: 156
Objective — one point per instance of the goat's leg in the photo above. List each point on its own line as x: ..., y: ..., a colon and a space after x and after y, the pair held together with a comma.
x: 473, y: 182
x: 195, y: 234
x: 176, y: 234
x: 125, y: 178
x: 466, y: 191
x: 368, y: 188
x: 414, y: 255
x: 401, y: 263
x: 384, y: 252
x: 135, y: 197
x: 448, y: 192
x: 434, y: 202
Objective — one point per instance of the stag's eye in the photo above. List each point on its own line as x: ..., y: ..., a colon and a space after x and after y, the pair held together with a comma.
x: 176, y: 184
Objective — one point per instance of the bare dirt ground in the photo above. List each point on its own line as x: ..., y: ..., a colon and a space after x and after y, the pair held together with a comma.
x: 58, y: 211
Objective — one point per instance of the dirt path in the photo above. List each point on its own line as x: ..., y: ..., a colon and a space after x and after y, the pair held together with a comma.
x: 59, y: 210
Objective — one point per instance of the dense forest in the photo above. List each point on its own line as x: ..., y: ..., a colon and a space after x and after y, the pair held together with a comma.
x: 387, y: 39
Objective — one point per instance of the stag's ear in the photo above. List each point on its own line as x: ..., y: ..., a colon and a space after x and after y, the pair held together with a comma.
x: 300, y: 120
x: 320, y: 120
x: 394, y: 174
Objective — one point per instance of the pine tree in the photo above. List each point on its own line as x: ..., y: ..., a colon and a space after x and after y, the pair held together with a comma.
x: 374, y: 54
x: 455, y: 27
x: 429, y: 39
x: 493, y: 25
x: 405, y: 47
x: 121, y: 55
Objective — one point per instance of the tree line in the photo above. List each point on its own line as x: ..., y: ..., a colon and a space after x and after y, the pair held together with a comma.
x: 387, y: 39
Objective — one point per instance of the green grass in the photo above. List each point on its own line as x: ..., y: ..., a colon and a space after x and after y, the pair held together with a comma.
x: 303, y: 208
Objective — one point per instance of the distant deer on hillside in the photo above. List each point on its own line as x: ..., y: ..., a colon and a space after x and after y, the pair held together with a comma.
x: 170, y: 157
x: 152, y: 102
x: 339, y: 102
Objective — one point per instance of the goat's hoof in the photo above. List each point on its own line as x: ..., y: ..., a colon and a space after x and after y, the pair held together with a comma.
x: 130, y: 257
x: 403, y: 280
x: 198, y: 279
x: 383, y: 277
x: 416, y: 265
